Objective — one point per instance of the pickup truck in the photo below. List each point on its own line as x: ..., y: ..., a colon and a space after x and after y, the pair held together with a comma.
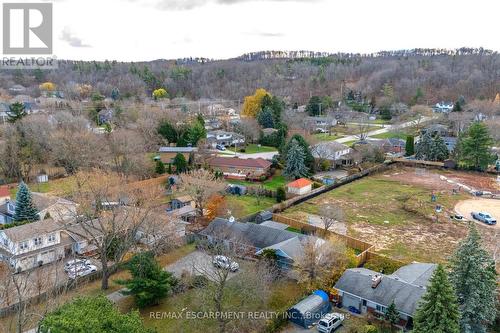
x: 484, y: 217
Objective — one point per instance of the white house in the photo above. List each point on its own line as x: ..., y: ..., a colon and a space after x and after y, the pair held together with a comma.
x: 330, y: 151
x: 33, y: 244
x: 299, y: 187
x: 224, y: 138
x: 443, y: 107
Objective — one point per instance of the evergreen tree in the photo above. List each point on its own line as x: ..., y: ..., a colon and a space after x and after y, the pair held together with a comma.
x: 294, y: 162
x: 266, y: 118
x: 392, y: 315
x: 149, y: 283
x: 475, y: 146
x: 180, y: 163
x: 438, y: 308
x: 474, y: 277
x: 309, y: 159
x: 25, y: 208
x: 457, y: 107
x: 422, y: 152
x: 410, y: 145
x: 160, y: 167
x: 280, y: 194
x: 438, y: 151
x: 314, y: 107
x: 168, y: 131
x: 16, y: 112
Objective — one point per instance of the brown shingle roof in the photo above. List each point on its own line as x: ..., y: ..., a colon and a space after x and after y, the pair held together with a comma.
x: 239, y: 162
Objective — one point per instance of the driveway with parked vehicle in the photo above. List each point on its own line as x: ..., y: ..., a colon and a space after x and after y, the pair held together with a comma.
x: 479, y: 205
x: 199, y: 263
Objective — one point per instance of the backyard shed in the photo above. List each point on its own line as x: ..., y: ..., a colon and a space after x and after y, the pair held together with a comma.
x: 262, y: 216
x: 310, y: 310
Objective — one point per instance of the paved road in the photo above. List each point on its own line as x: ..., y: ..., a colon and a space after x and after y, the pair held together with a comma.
x: 386, y: 129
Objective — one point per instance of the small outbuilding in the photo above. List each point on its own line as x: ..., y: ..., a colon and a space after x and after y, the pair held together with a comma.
x: 263, y: 216
x: 310, y: 310
x: 299, y: 187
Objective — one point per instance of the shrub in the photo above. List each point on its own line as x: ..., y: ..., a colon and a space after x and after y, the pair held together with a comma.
x: 370, y: 329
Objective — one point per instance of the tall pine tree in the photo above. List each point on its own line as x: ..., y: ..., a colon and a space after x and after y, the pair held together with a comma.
x: 294, y: 161
x: 25, y: 208
x: 474, y: 277
x: 438, y: 151
x: 475, y: 147
x: 423, y: 149
x: 438, y: 308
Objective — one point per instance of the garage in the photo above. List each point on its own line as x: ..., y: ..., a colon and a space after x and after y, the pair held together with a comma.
x: 349, y: 300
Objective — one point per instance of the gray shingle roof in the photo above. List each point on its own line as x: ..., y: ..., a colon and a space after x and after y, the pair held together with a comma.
x: 416, y: 273
x: 358, y: 282
x: 177, y: 149
x: 252, y: 234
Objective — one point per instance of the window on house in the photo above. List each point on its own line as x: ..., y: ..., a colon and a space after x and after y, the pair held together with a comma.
x: 381, y: 309
x: 23, y: 245
x: 52, y: 238
x: 37, y: 241
x: 5, y: 242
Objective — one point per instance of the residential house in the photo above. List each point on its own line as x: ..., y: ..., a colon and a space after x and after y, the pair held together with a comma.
x: 437, y: 129
x: 224, y: 138
x: 394, y: 146
x: 48, y: 206
x: 299, y: 187
x: 367, y: 291
x: 167, y: 154
x: 443, y: 107
x: 4, y: 193
x: 181, y: 201
x: 105, y: 116
x: 185, y: 213
x: 450, y: 142
x: 239, y: 168
x: 252, y: 239
x: 17, y: 89
x: 321, y: 122
x: 332, y: 151
x: 34, y: 244
x: 212, y: 124
x: 4, y: 111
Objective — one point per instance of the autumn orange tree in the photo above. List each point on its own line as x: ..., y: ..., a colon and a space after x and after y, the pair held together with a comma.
x: 253, y: 104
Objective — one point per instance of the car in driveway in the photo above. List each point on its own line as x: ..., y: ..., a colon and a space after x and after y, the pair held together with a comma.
x: 70, y: 265
x: 225, y: 263
x: 82, y: 271
x: 484, y: 217
x: 330, y: 322
x: 220, y: 147
x: 458, y: 217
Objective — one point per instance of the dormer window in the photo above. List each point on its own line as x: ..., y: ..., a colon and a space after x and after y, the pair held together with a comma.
x: 37, y: 241
x: 52, y: 238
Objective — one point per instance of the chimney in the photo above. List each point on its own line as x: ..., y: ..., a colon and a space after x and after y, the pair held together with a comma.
x: 376, y: 279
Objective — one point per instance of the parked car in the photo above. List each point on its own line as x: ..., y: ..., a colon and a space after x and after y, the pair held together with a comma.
x: 320, y: 130
x: 225, y: 263
x: 457, y: 217
x: 82, y: 271
x: 70, y: 265
x: 330, y: 322
x: 484, y: 217
x: 220, y: 147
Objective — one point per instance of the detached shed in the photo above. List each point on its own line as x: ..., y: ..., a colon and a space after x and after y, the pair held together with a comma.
x: 263, y: 216
x: 310, y: 310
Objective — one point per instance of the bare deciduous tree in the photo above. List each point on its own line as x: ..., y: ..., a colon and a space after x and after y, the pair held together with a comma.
x: 330, y: 214
x: 201, y: 184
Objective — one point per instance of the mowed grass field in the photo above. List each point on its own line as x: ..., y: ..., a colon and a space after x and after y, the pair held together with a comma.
x: 400, y: 219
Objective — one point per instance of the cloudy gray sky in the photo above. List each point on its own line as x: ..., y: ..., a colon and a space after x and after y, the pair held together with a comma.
x: 153, y: 29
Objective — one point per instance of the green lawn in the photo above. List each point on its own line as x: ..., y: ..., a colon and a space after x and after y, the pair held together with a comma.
x: 326, y: 137
x: 270, y: 184
x: 389, y: 135
x: 244, y: 205
x: 58, y: 187
x: 254, y: 148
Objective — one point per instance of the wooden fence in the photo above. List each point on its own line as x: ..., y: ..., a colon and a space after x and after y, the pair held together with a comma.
x: 416, y: 163
x: 349, y: 241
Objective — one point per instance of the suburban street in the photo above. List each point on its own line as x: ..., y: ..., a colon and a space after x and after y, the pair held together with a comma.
x: 386, y: 129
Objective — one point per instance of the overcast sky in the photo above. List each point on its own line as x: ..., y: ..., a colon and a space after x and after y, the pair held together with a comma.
x: 133, y: 30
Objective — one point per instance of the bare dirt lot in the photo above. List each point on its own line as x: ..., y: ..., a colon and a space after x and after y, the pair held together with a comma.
x: 491, y: 206
x: 395, y: 212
